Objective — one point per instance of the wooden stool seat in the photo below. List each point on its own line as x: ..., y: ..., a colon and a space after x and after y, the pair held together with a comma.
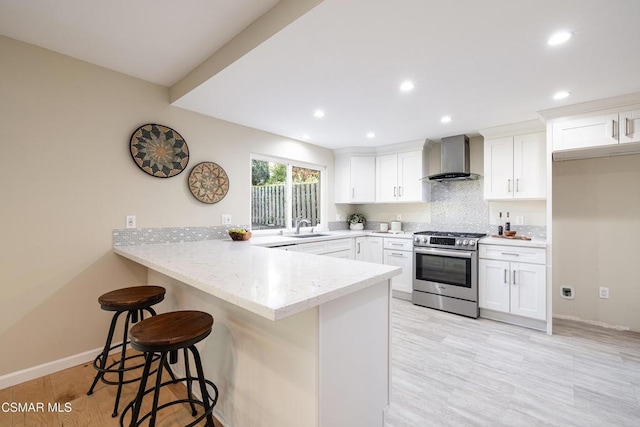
x: 131, y: 298
x: 171, y: 331
x: 162, y: 336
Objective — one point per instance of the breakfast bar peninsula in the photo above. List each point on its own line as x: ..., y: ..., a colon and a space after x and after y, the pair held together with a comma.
x: 298, y: 339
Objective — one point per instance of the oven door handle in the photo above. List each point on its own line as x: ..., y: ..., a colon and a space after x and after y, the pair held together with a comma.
x: 434, y: 251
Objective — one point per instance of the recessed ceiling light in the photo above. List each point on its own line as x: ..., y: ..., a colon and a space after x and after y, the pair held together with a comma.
x: 406, y: 86
x: 318, y: 113
x: 371, y: 135
x: 445, y: 119
x: 306, y: 136
x: 561, y: 95
x: 559, y: 38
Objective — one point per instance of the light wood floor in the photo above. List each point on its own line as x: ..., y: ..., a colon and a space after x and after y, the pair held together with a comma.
x: 70, y: 386
x: 449, y: 370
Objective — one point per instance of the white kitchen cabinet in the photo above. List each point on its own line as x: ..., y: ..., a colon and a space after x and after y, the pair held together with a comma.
x: 399, y: 253
x: 355, y: 178
x: 398, y: 177
x: 369, y: 248
x: 342, y: 248
x: 515, y: 167
x: 596, y: 133
x: 513, y: 280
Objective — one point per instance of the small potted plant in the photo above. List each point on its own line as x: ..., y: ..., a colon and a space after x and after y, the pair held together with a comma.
x: 356, y: 221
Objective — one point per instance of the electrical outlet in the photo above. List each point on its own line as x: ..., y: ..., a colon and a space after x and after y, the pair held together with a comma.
x: 520, y: 220
x: 604, y: 292
x: 226, y: 219
x: 131, y: 221
x: 398, y: 217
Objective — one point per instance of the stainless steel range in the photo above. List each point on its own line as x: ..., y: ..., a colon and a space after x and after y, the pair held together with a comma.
x: 445, y: 275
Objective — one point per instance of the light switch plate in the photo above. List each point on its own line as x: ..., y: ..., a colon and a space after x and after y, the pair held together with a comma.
x: 131, y: 221
x: 226, y: 219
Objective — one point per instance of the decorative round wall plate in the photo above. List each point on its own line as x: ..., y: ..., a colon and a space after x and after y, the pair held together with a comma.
x: 208, y: 182
x: 159, y: 150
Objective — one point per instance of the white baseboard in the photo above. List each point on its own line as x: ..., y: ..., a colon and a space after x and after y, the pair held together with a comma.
x: 48, y: 368
x: 591, y: 322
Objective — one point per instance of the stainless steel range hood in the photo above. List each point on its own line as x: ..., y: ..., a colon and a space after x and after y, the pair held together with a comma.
x: 454, y: 160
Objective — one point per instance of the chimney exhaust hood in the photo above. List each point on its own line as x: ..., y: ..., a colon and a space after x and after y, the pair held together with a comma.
x: 454, y: 160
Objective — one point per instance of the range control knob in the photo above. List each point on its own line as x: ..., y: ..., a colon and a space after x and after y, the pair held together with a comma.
x: 465, y: 242
x: 416, y: 239
x: 472, y: 242
x: 458, y: 242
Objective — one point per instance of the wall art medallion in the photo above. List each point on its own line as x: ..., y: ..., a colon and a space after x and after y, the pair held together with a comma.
x: 208, y: 182
x: 159, y: 150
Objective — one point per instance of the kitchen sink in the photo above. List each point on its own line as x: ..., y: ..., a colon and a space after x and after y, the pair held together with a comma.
x: 308, y: 235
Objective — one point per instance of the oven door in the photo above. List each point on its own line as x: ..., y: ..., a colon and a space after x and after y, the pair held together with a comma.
x: 452, y: 273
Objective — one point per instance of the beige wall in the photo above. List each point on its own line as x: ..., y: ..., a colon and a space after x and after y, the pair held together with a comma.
x: 596, y: 224
x: 68, y: 180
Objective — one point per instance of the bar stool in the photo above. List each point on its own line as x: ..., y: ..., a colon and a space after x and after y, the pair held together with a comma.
x: 165, y: 334
x: 134, y: 301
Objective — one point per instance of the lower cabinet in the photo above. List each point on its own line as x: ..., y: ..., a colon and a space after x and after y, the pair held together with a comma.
x: 369, y: 248
x: 509, y: 285
x: 340, y: 248
x: 399, y: 253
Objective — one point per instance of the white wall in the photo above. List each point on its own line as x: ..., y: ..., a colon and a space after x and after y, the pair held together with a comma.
x: 68, y: 180
x: 596, y: 222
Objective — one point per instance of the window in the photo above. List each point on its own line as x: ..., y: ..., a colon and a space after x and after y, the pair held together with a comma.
x: 283, y: 191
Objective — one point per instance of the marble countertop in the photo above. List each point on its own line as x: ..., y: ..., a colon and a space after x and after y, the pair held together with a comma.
x: 271, y: 240
x: 271, y: 283
x: 534, y: 243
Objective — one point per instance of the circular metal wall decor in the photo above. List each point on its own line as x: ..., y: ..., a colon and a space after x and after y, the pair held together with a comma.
x: 208, y: 182
x: 159, y: 150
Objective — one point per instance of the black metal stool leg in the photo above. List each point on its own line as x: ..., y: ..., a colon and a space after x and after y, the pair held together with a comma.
x: 141, y: 390
x: 203, y: 385
x: 123, y: 355
x: 156, y: 393
x: 105, y: 352
x: 187, y: 372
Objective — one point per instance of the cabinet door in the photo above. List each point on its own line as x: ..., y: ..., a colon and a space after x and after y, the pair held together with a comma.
x: 498, y: 168
x: 530, y: 166
x: 363, y: 179
x: 374, y: 250
x: 630, y: 126
x: 387, y: 178
x: 583, y: 133
x: 493, y: 285
x: 342, y: 180
x: 403, y: 282
x: 409, y: 176
x: 528, y: 290
x: 361, y: 249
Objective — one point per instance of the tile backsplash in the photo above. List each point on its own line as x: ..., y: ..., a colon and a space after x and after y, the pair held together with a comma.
x: 142, y: 236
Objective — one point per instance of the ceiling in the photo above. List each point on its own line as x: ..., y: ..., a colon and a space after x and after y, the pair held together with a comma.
x: 482, y: 63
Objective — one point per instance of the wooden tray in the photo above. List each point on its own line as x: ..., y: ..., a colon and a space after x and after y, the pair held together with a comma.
x: 511, y: 237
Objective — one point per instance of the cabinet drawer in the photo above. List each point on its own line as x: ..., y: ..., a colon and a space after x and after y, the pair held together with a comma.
x: 313, y: 248
x: 340, y: 245
x: 347, y: 254
x: 514, y: 253
x: 398, y: 244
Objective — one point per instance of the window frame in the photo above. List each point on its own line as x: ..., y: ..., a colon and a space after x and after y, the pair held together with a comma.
x: 290, y: 163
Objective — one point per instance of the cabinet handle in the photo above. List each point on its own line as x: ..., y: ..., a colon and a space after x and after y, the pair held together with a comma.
x: 397, y: 244
x: 509, y: 185
x: 517, y: 185
x: 626, y: 126
x: 510, y: 253
x: 394, y: 192
x: 399, y: 191
x: 505, y: 275
x: 514, y: 277
x: 353, y: 192
x: 613, y: 128
x: 358, y: 248
x: 397, y: 254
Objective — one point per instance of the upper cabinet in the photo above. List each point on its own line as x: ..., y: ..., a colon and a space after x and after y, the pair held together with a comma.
x: 355, y: 178
x: 398, y: 177
x: 515, y: 167
x: 606, y: 132
x: 389, y: 174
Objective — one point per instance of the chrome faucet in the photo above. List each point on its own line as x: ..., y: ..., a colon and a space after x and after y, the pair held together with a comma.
x: 299, y: 221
